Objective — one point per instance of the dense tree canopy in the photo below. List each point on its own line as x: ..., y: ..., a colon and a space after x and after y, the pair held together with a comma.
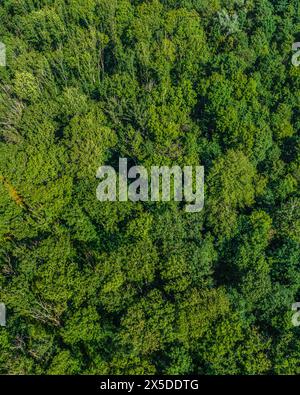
x: 139, y: 288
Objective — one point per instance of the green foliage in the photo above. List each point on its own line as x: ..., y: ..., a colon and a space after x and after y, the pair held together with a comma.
x: 146, y: 288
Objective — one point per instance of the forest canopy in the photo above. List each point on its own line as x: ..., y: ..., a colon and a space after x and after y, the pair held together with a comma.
x: 144, y: 287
